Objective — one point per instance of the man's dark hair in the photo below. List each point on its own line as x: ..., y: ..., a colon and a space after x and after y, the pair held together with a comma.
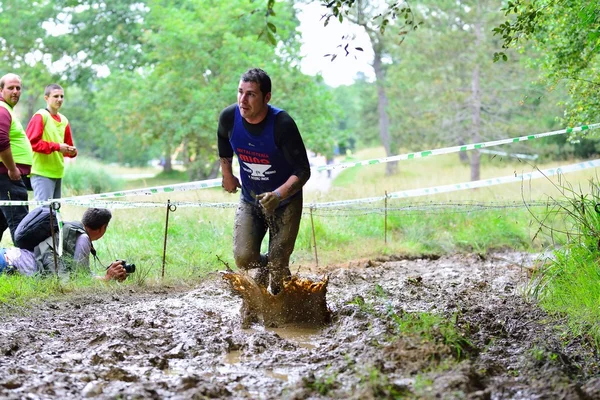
x: 259, y: 76
x: 51, y: 87
x: 96, y: 218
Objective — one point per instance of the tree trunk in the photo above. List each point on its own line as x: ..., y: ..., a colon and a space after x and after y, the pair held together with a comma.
x: 463, y: 157
x: 382, y: 102
x: 167, y: 165
x: 185, y: 153
x: 31, y: 108
x: 476, y: 109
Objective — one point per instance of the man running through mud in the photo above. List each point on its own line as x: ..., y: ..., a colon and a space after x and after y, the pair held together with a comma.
x: 273, y: 167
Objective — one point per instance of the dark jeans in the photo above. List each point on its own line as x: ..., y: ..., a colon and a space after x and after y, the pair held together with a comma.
x: 250, y: 227
x: 12, y: 215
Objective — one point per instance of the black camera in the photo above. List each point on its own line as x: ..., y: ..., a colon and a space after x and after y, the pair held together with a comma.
x: 129, y: 268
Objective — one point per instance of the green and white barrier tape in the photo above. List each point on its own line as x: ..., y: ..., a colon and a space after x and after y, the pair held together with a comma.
x: 210, y: 183
x: 465, y: 185
x: 179, y: 187
x: 456, y: 149
x: 395, y: 195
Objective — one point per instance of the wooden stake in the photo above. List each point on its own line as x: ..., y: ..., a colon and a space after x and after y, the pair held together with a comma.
x: 312, y: 224
x: 385, y: 218
x: 170, y: 208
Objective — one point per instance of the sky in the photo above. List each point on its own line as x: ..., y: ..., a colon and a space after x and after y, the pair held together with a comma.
x: 319, y: 40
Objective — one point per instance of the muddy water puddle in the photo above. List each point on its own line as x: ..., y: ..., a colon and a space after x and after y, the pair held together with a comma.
x: 191, y: 345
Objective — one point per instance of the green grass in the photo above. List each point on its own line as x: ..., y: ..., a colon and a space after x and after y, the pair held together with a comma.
x: 427, y: 327
x: 160, y: 179
x: 85, y: 176
x: 568, y: 284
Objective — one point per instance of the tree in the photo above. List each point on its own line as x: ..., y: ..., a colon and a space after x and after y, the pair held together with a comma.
x: 375, y: 20
x: 567, y: 34
x: 447, y: 88
x: 22, y: 49
x: 196, y: 62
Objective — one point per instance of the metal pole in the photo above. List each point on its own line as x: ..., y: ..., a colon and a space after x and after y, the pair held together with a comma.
x: 169, y: 209
x: 312, y: 224
x: 51, y: 207
x: 385, y: 219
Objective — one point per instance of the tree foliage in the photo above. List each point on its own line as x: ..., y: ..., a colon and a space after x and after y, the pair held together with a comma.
x: 567, y: 33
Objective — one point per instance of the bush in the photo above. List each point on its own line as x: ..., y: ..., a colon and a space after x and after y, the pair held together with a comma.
x: 86, y: 176
x: 568, y: 283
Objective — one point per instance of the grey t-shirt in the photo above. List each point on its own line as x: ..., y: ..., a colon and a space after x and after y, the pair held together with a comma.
x: 83, y: 248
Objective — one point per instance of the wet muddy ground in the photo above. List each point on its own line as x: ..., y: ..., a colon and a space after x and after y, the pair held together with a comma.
x: 487, y: 343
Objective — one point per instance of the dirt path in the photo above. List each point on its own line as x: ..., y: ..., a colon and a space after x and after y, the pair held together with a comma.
x: 190, y: 345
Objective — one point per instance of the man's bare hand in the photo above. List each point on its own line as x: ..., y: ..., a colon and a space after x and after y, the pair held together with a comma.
x: 68, y: 150
x: 116, y: 272
x: 231, y: 183
x: 269, y: 201
x: 14, y: 174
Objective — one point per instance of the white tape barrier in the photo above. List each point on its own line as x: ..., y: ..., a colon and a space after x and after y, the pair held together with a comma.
x: 456, y: 149
x: 465, y: 185
x: 179, y: 187
x: 396, y: 195
x: 210, y: 183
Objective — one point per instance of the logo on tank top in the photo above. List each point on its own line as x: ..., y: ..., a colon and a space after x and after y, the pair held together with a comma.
x: 255, y: 164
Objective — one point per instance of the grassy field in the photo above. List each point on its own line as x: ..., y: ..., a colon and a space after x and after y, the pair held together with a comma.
x: 199, y: 239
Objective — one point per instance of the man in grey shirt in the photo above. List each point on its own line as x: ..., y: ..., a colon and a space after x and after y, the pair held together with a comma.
x: 77, y: 247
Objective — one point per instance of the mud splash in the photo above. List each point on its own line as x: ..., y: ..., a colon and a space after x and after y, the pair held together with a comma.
x: 165, y: 344
x: 301, y: 301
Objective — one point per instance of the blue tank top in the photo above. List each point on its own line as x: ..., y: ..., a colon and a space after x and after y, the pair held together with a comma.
x: 263, y: 168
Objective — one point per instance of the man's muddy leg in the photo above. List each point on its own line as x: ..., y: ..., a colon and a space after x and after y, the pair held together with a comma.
x: 249, y: 230
x: 283, y: 231
x: 248, y: 233
x: 261, y: 277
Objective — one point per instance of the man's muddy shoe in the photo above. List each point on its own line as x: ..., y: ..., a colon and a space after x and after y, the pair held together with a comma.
x: 248, y: 317
x: 262, y: 277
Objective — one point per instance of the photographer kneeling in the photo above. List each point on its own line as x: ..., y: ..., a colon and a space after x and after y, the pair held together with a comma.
x: 77, y: 238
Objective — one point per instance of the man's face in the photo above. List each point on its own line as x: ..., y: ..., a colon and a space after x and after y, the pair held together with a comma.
x: 55, y: 99
x: 252, y: 102
x: 11, y: 92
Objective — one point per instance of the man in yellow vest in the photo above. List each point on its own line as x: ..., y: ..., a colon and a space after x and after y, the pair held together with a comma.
x: 16, y: 156
x: 50, y: 135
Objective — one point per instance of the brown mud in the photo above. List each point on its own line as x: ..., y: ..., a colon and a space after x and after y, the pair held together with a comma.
x: 302, y: 301
x: 488, y: 343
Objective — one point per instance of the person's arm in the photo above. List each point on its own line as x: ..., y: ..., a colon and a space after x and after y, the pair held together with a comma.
x: 289, y: 141
x: 72, y: 150
x: 230, y: 182
x: 83, y: 248
x: 5, y: 152
x: 35, y: 132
